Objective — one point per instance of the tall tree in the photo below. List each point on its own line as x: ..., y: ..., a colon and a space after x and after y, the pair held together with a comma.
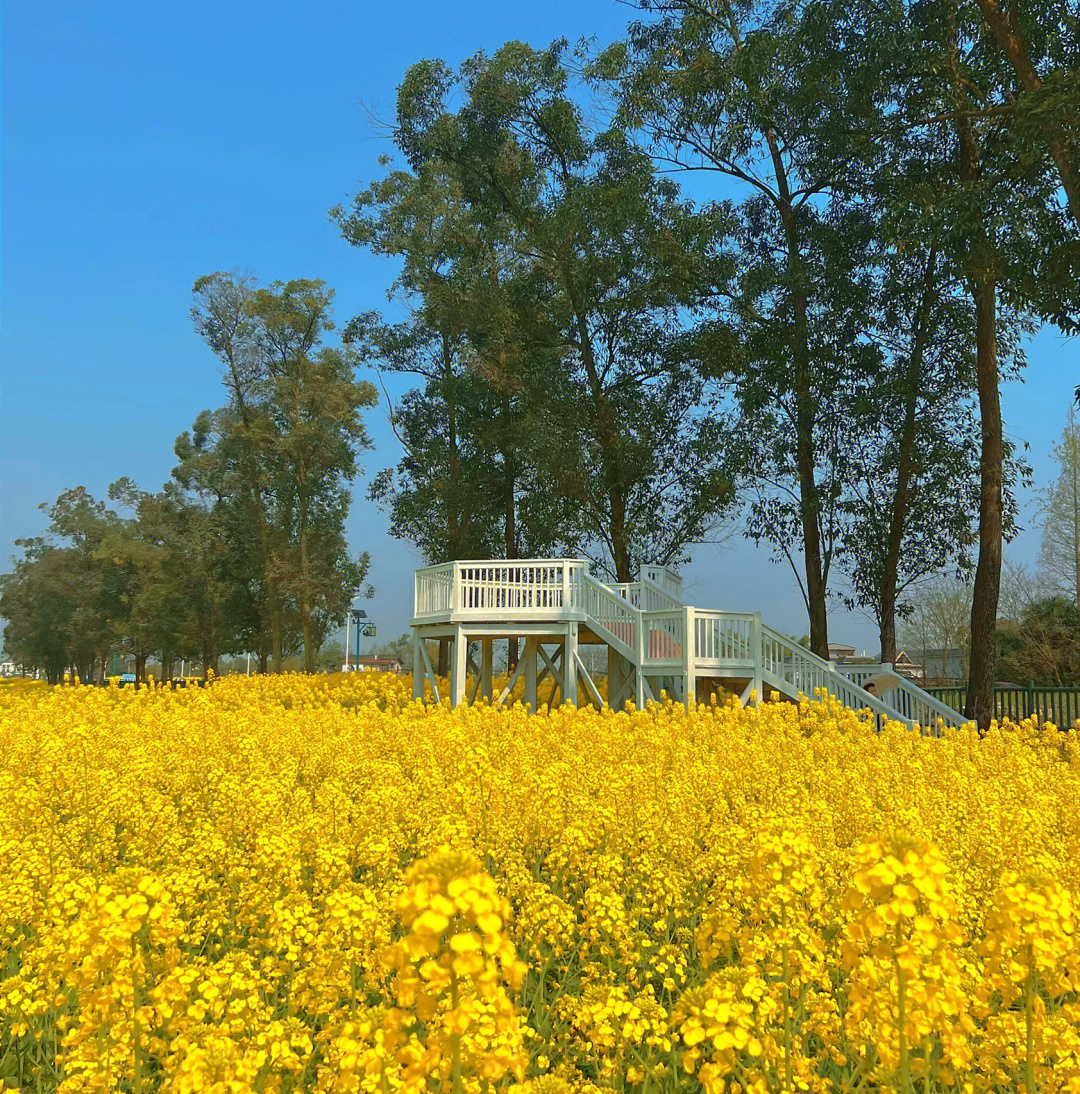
x: 931, y: 76
x: 616, y: 260
x: 1060, y: 551
x: 749, y: 93
x: 1042, y: 44
x: 222, y: 314
x: 314, y: 404
x: 277, y: 461
x: 476, y: 433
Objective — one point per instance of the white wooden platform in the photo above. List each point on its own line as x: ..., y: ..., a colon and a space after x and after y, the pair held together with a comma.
x: 654, y: 641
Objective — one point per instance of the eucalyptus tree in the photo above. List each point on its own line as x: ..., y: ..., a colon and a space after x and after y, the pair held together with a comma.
x: 466, y: 468
x: 277, y: 462
x: 932, y: 73
x: 614, y: 262
x: 755, y: 96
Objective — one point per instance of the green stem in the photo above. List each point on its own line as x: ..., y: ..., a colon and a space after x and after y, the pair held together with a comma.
x: 789, y: 1085
x: 1029, y: 1024
x: 901, y: 1009
x: 135, y: 1032
x: 455, y: 1038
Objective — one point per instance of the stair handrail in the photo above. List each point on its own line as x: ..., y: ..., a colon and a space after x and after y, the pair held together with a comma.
x: 851, y: 695
x: 656, y: 598
x: 914, y: 696
x: 595, y: 593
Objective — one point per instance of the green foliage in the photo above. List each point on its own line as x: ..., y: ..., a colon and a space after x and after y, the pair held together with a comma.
x: 559, y: 302
x: 1043, y: 645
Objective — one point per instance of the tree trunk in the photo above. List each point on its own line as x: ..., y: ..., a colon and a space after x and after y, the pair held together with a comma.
x: 453, y: 525
x: 276, y: 626
x: 809, y: 498
x: 509, y: 486
x: 305, y: 583
x: 444, y: 657
x: 264, y: 658
x: 984, y: 605
x: 140, y: 668
x: 1072, y: 454
x: 905, y: 468
x: 805, y: 412
x: 982, y: 285
x: 607, y: 437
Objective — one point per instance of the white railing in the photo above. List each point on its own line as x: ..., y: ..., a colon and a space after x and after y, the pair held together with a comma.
x: 858, y: 672
x: 785, y: 661
x: 664, y: 637
x: 646, y: 596
x: 606, y: 609
x: 529, y: 588
x: 666, y: 579
x: 524, y: 588
x: 806, y: 672
x: 646, y: 621
x: 795, y: 665
x: 911, y: 703
x: 918, y: 706
x: 724, y: 639
x: 630, y: 591
x: 433, y: 590
x: 657, y: 598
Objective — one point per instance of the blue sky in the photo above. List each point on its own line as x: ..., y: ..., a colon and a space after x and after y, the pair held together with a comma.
x: 146, y: 144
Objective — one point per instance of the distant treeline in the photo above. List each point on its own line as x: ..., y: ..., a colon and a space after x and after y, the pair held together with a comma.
x: 244, y: 549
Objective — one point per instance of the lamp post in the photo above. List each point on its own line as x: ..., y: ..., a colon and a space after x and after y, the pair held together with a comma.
x: 358, y: 621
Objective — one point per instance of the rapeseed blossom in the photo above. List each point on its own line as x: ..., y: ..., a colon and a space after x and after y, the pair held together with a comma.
x: 293, y: 883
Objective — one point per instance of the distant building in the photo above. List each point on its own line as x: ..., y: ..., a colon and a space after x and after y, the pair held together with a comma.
x: 907, y: 668
x: 840, y: 651
x: 948, y: 664
x: 373, y: 664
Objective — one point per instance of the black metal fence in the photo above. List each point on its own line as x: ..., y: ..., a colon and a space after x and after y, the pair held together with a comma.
x: 1058, y: 705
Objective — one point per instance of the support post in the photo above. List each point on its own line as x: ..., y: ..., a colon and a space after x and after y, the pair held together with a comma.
x: 417, y: 666
x: 485, y: 668
x: 531, y: 657
x: 755, y: 642
x: 569, y: 666
x: 459, y: 651
x: 616, y: 679
x: 689, y: 657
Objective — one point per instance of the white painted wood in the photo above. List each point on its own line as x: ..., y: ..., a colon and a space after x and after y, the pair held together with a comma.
x: 553, y: 668
x: 486, y: 660
x: 418, y: 665
x: 531, y: 658
x: 458, y: 655
x: 569, y: 665
x: 588, y: 681
x: 429, y: 672
x: 515, y: 677
x: 689, y: 665
x: 647, y: 628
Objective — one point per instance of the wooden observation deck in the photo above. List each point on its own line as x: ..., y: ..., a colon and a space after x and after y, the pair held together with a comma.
x: 653, y: 640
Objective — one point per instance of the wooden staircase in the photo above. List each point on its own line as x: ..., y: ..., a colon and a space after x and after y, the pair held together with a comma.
x: 654, y: 642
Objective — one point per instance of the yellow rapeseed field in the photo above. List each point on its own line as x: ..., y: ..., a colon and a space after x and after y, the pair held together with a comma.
x: 314, y: 884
